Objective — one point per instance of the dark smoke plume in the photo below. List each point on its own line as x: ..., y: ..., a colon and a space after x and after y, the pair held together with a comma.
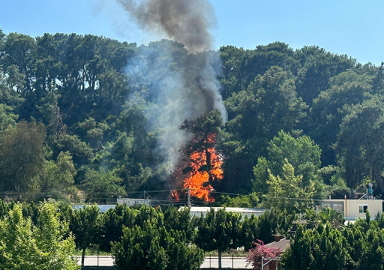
x: 192, y: 90
x: 184, y: 21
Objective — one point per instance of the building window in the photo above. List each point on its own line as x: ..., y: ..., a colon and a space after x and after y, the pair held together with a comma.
x: 363, y: 208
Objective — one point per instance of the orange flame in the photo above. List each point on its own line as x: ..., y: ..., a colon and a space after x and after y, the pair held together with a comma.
x: 198, y: 181
x: 175, y: 195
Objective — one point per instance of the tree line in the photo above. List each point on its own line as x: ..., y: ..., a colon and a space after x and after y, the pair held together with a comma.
x: 74, y: 123
x: 354, y: 246
x: 50, y: 232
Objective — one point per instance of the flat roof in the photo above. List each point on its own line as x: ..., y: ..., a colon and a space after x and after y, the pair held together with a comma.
x: 228, y: 209
x: 103, y: 207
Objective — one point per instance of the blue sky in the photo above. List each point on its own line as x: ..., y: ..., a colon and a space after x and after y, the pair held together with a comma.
x: 351, y: 27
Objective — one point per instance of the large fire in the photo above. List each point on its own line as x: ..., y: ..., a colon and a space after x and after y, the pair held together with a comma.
x: 202, y: 172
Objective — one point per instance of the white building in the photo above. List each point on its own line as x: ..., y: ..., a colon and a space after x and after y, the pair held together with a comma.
x: 135, y: 202
x: 198, y: 211
x: 354, y: 209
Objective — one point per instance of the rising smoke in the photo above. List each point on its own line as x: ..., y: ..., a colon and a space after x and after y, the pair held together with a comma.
x: 185, y: 21
x: 192, y: 89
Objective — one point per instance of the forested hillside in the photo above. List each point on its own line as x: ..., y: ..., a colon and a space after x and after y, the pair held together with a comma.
x: 78, y: 119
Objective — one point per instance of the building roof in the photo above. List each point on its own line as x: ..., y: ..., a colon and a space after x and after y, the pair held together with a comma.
x: 103, y: 207
x: 228, y: 209
x: 282, y: 244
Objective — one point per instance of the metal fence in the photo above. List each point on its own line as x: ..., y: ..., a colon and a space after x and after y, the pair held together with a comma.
x: 226, y: 262
x: 209, y: 262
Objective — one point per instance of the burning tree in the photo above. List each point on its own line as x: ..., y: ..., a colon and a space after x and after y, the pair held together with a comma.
x: 204, y: 162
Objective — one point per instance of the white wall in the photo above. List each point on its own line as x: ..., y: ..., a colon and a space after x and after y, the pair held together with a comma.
x: 198, y: 211
x: 353, y: 209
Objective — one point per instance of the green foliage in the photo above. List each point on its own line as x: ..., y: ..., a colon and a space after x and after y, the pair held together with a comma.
x: 128, y: 161
x: 302, y: 153
x: 140, y: 248
x: 335, y: 218
x: 8, y: 95
x: 372, y: 255
x: 247, y: 201
x: 287, y: 192
x: 113, y: 222
x: 326, y: 113
x: 180, y: 220
x: 153, y: 215
x: 91, y: 132
x: 255, y: 116
x: 5, y: 208
x: 240, y: 67
x: 263, y: 227
x: 85, y: 225
x: 150, y: 245
x: 272, y: 222
x: 22, y: 157
x: 357, y: 246
x: 20, y: 53
x: 204, y: 126
x: 233, y: 60
x: 7, y: 118
x: 274, y: 87
x: 320, y: 248
x: 79, y: 150
x: 102, y: 186
x: 333, y: 177
x: 99, y: 111
x: 250, y: 231
x: 222, y: 228
x: 56, y: 179
x: 318, y: 66
x: 360, y: 142
x: 181, y: 254
x: 355, y: 243
x: 26, y: 246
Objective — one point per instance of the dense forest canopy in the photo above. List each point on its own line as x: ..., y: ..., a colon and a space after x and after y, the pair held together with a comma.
x: 82, y: 118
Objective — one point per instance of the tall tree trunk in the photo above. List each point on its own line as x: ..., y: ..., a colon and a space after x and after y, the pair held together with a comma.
x: 82, y: 257
x: 219, y: 259
x: 208, y: 159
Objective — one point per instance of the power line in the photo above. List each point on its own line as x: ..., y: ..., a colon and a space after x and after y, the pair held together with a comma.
x: 150, y: 192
